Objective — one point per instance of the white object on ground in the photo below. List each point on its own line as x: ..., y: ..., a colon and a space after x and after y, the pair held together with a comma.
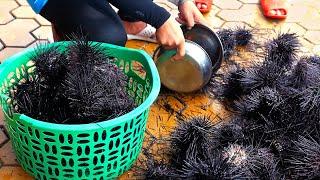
x: 147, y: 34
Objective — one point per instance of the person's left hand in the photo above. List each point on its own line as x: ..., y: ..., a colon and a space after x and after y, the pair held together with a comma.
x: 190, y: 15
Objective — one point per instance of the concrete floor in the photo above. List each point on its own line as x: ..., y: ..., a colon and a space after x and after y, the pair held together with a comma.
x: 20, y: 28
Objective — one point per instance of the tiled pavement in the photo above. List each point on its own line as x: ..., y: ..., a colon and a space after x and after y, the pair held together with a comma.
x: 21, y: 28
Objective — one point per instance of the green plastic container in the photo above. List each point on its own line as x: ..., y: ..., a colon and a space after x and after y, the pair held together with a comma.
x: 103, y: 150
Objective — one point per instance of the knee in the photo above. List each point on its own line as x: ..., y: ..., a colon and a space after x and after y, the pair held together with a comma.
x: 112, y: 35
x: 120, y: 37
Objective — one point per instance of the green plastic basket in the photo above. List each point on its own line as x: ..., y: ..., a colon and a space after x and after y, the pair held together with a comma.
x: 101, y: 150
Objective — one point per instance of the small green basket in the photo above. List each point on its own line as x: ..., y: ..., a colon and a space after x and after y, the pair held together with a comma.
x: 103, y: 150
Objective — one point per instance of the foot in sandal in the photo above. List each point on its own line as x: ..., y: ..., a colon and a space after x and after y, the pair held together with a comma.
x: 204, y: 6
x: 140, y: 31
x: 275, y: 9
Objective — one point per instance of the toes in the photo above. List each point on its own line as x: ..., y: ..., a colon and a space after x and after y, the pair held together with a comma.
x: 201, y: 6
x: 278, y: 12
x: 198, y: 5
x: 283, y: 12
x: 204, y: 6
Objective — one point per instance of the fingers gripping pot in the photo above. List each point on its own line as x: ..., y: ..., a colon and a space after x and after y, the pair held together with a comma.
x: 203, y: 57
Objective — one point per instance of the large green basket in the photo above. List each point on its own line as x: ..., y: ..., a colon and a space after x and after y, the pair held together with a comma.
x: 101, y: 150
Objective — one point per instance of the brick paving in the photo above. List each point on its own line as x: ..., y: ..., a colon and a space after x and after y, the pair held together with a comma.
x: 21, y: 28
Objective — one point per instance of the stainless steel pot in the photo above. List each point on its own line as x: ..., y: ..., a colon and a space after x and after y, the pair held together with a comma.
x: 186, y: 75
x: 204, y: 54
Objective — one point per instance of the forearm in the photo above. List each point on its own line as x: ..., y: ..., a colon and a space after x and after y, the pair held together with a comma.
x: 144, y: 10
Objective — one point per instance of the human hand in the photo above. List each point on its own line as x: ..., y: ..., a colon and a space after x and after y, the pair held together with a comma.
x: 170, y: 36
x: 190, y: 14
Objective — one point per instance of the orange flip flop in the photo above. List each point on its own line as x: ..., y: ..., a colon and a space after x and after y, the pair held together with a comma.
x: 204, y: 6
x: 276, y: 9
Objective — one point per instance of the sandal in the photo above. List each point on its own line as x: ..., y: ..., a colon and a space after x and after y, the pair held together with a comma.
x: 204, y: 6
x: 276, y: 9
x: 147, y: 34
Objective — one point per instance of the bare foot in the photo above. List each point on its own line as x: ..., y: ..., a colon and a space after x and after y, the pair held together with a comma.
x: 134, y: 27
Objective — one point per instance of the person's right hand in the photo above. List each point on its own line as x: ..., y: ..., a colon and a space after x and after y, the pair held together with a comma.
x: 170, y: 36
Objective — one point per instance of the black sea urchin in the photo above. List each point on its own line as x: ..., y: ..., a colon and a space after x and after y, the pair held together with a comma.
x: 270, y: 119
x: 313, y: 59
x: 267, y: 74
x: 230, y: 132
x: 96, y: 89
x: 310, y: 102
x: 252, y: 163
x: 232, y: 88
x: 39, y: 95
x: 305, y: 161
x: 282, y: 50
x: 260, y: 102
x: 214, y: 168
x: 51, y: 64
x: 158, y: 170
x: 228, y: 41
x: 35, y: 99
x: 303, y: 75
x: 243, y: 36
x: 192, y: 138
x: 86, y: 53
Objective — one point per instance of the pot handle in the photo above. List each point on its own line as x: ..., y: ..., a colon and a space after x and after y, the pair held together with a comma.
x: 155, y: 53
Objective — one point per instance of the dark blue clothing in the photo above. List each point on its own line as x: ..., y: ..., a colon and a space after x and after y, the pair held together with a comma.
x: 96, y: 19
x: 144, y: 10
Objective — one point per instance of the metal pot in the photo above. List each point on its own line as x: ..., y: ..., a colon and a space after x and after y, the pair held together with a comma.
x: 186, y: 75
x: 208, y: 40
x: 204, y: 54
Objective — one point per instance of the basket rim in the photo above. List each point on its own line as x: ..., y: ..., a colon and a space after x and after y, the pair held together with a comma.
x: 103, y: 124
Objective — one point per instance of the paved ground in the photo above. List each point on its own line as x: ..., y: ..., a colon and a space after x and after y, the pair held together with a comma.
x: 20, y: 28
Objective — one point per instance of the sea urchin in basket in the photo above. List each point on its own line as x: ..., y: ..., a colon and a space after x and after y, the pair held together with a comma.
x: 81, y: 85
